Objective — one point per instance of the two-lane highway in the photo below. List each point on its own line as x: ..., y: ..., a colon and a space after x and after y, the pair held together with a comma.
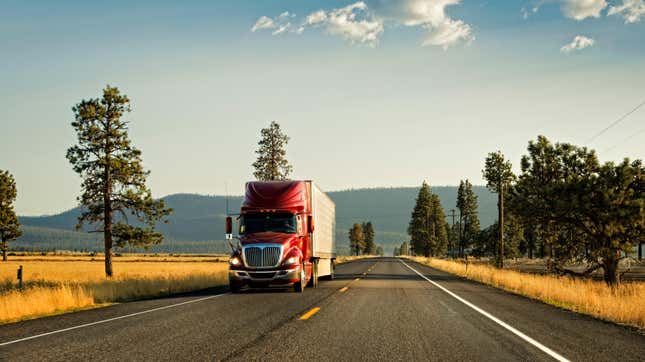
x: 376, y: 309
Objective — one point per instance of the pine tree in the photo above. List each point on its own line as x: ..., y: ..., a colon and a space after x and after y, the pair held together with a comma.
x: 271, y: 163
x: 427, y: 228
x: 113, y: 185
x: 437, y: 228
x: 379, y: 250
x: 9, y: 225
x: 418, y: 229
x: 356, y: 239
x: 368, y: 232
x: 499, y: 176
x: 514, y: 237
x: 586, y: 211
x: 404, y: 248
x: 469, y: 222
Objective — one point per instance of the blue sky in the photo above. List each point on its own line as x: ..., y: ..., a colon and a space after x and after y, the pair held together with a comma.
x: 372, y: 94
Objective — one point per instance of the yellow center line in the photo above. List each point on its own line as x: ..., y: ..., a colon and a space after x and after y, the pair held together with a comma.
x: 343, y: 289
x: 308, y: 315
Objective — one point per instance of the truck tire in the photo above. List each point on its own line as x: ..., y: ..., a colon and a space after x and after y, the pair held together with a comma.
x: 332, y: 266
x: 299, y: 286
x: 234, y: 286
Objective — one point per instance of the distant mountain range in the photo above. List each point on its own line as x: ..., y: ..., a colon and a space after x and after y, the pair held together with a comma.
x: 197, y: 222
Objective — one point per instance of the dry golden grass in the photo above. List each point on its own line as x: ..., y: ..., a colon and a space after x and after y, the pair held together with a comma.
x: 180, y: 258
x: 623, y: 304
x: 345, y: 259
x: 53, y: 285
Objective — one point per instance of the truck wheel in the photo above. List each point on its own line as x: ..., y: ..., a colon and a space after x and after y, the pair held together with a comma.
x: 234, y: 286
x: 299, y: 286
x: 332, y: 266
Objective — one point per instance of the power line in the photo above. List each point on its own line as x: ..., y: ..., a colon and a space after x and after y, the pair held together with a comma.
x: 614, y: 123
x: 625, y: 140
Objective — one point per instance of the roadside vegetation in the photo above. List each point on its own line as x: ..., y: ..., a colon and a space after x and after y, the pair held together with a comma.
x: 115, y: 198
x: 9, y: 224
x: 56, y: 284
x: 361, y: 240
x: 623, y: 303
x: 348, y: 258
x: 564, y: 206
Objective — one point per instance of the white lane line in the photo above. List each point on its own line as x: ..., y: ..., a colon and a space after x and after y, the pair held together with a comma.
x: 110, y: 319
x: 526, y: 338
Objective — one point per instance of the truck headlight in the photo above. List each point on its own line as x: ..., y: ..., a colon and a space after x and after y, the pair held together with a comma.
x: 234, y: 260
x: 291, y: 260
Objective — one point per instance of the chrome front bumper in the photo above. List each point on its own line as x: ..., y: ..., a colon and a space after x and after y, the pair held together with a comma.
x: 264, y: 275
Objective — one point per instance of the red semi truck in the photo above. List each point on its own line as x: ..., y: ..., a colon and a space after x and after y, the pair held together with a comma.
x: 286, y: 236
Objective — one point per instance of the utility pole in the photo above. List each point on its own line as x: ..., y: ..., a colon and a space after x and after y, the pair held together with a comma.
x: 500, y: 202
x: 461, y: 249
x: 640, y: 251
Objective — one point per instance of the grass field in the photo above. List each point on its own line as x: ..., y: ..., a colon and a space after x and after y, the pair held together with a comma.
x: 55, y: 284
x: 623, y: 304
x: 345, y: 259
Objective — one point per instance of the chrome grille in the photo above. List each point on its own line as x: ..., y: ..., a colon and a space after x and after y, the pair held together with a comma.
x: 261, y: 257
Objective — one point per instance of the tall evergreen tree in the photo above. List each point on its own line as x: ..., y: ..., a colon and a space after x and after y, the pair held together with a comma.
x: 9, y: 225
x: 418, y: 229
x: 437, y: 228
x: 272, y: 163
x: 530, y: 236
x: 113, y: 179
x: 379, y: 250
x: 368, y: 232
x: 404, y: 249
x: 468, y: 219
x: 589, y: 212
x: 499, y: 175
x: 356, y: 239
x: 427, y: 228
x: 513, y: 236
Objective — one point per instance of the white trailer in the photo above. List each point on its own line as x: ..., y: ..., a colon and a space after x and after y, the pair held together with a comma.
x: 323, y: 212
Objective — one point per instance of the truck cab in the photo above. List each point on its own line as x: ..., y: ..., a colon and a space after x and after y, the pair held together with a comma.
x: 286, y: 231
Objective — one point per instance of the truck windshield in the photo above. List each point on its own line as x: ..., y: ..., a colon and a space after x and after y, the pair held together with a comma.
x: 277, y: 223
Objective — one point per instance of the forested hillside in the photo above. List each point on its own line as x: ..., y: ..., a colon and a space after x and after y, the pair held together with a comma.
x: 197, y: 222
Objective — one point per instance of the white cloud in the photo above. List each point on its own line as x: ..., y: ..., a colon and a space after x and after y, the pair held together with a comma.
x: 346, y: 23
x: 441, y: 29
x: 578, y: 43
x: 281, y: 29
x: 280, y: 23
x: 316, y: 17
x: 263, y: 22
x: 362, y: 25
x: 526, y: 12
x: 448, y: 33
x: 631, y: 10
x: 582, y: 9
x: 353, y: 22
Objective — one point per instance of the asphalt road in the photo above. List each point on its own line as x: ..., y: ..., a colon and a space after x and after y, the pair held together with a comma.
x: 376, y: 309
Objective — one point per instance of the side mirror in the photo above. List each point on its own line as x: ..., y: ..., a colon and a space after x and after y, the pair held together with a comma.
x: 310, y: 224
x: 229, y: 228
